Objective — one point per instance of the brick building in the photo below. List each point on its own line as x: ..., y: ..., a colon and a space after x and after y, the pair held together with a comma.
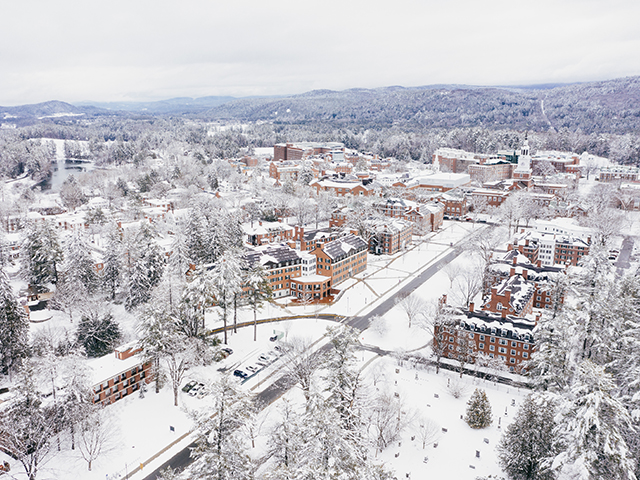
x: 512, y: 296
x: 472, y: 334
x: 341, y: 258
x: 550, y: 248
x: 119, y: 374
x: 389, y: 236
x: 267, y: 232
x: 281, y: 264
x: 342, y: 188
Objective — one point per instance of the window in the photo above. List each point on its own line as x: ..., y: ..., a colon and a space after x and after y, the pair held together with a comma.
x: 492, y: 340
x: 482, y: 338
x: 492, y: 347
x: 451, y: 339
x: 512, y: 360
x: 513, y: 352
x: 526, y: 346
x: 525, y: 355
x: 502, y: 357
x: 481, y: 346
x: 514, y: 344
x: 503, y: 341
x: 502, y: 350
x: 450, y: 347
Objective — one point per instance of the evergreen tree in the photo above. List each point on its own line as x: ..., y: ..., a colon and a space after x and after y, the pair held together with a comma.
x: 592, y: 428
x: 79, y: 267
x: 528, y: 445
x: 220, y: 452
x: 98, y: 336
x: 14, y: 328
x: 146, y: 267
x: 478, y: 410
x: 112, y: 272
x: 41, y: 255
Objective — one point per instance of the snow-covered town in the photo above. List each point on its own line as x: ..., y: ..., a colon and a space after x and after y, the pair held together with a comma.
x: 308, y: 310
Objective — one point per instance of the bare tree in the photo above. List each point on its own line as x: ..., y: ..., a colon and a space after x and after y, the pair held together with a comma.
x: 468, y: 284
x: 178, y: 356
x: 302, y: 364
x: 465, y: 351
x: 387, y: 420
x: 438, y: 320
x: 427, y: 430
x: 452, y: 270
x: 412, y: 306
x: 93, y: 437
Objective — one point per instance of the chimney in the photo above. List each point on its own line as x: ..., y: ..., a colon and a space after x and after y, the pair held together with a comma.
x: 512, y: 272
x: 260, y: 222
x: 515, y: 259
x: 503, y: 313
x: 471, y: 307
x: 443, y: 300
x: 525, y: 273
x: 539, y: 263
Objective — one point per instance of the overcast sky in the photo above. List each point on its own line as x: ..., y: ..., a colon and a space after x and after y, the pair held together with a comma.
x: 150, y: 50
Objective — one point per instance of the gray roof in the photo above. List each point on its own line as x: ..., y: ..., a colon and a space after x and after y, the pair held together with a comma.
x: 344, y: 247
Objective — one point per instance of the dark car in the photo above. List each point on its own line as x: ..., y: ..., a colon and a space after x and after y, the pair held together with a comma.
x: 274, y: 338
x: 240, y: 373
x: 228, y: 350
x: 189, y: 386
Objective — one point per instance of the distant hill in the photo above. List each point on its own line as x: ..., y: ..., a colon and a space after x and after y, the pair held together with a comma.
x: 180, y: 105
x: 598, y: 107
x: 39, y: 111
x: 611, y: 106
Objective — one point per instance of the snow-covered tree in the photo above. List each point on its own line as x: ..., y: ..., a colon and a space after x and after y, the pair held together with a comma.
x: 28, y: 426
x: 478, y: 410
x: 412, y: 306
x: 14, y: 328
x: 79, y: 267
x: 98, y: 336
x: 221, y: 452
x: 528, y: 445
x: 591, y: 426
x: 258, y: 292
x: 41, y: 255
x: 93, y: 435
x: 113, y: 264
x: 226, y: 280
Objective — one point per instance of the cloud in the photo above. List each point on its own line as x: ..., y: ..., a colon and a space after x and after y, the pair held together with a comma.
x: 145, y: 50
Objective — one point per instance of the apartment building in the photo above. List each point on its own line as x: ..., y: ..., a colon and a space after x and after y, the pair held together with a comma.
x: 342, y: 258
x: 119, y: 374
x: 390, y: 236
x: 281, y: 264
x: 267, y: 232
x: 550, y: 248
x: 474, y: 334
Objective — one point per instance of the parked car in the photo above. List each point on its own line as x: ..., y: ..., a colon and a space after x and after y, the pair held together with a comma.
x: 194, y: 391
x: 228, y: 350
x: 264, y: 357
x: 273, y: 338
x: 240, y: 373
x: 252, y: 368
x: 189, y: 386
x: 203, y: 392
